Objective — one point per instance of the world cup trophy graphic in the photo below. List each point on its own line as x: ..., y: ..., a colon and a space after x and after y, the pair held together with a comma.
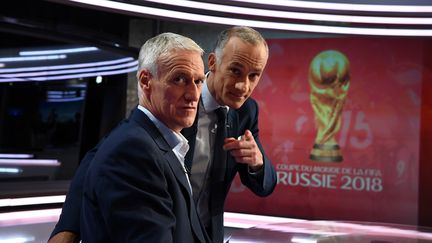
x: 329, y: 80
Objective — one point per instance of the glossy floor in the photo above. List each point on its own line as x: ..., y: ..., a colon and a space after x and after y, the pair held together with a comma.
x: 35, y: 226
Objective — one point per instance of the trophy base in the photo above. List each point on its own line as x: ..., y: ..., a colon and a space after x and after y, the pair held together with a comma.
x: 326, y: 153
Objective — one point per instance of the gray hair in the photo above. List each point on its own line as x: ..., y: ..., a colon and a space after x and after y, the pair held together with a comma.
x: 159, y: 45
x: 244, y: 33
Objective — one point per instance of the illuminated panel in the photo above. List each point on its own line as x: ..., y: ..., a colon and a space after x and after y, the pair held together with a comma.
x: 16, y: 156
x: 295, y: 15
x: 68, y: 71
x: 172, y: 14
x: 58, y: 51
x: 8, y: 202
x: 66, y: 66
x: 31, y: 58
x: 30, y: 162
x: 344, y: 6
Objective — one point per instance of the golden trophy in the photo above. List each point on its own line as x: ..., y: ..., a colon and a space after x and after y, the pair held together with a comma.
x: 329, y: 80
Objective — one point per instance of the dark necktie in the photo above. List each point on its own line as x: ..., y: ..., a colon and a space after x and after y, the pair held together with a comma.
x: 219, y: 155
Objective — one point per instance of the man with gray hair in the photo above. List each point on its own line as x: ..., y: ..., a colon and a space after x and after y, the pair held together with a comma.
x: 235, y: 69
x: 136, y: 188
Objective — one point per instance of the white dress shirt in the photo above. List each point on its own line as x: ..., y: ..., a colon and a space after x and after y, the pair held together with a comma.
x: 177, y: 142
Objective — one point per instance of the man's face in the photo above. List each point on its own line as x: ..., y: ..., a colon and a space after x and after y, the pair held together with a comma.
x: 174, y: 96
x: 238, y: 73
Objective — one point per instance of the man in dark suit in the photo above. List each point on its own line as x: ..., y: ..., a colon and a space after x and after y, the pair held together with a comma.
x: 136, y: 188
x: 235, y: 68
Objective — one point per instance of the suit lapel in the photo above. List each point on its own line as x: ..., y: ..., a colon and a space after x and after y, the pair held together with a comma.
x: 233, y: 123
x: 144, y: 121
x: 181, y: 177
x: 190, y: 134
x: 140, y: 118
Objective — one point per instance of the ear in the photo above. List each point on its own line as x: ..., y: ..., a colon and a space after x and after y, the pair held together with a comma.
x: 144, y: 80
x: 212, y: 62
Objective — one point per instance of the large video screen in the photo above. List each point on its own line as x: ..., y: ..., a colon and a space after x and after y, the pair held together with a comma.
x: 40, y: 130
x: 340, y: 120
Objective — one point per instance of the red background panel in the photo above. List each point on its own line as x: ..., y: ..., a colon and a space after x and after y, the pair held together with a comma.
x: 379, y: 134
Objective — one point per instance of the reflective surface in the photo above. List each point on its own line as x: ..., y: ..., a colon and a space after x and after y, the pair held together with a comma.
x: 59, y: 70
x: 36, y: 226
x: 332, y: 231
x: 28, y: 226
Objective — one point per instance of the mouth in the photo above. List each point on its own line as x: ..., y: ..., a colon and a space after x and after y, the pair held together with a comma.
x: 237, y: 96
x: 188, y: 108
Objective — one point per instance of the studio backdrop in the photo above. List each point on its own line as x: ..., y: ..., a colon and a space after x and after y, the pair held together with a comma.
x: 340, y: 120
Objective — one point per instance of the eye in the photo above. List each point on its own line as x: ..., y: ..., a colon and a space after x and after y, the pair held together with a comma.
x: 235, y: 71
x: 199, y: 82
x: 254, y: 77
x: 180, y: 80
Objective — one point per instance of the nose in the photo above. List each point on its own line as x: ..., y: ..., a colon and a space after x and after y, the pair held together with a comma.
x: 193, y: 92
x: 242, y: 85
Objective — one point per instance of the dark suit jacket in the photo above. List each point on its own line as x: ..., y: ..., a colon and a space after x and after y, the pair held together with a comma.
x: 222, y: 175
x: 261, y: 184
x: 135, y: 190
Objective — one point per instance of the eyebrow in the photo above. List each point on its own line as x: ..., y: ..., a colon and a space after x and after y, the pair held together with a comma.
x: 240, y: 65
x: 237, y: 64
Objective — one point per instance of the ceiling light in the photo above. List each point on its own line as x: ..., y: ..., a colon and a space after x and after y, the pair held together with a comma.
x: 295, y: 15
x: 345, y: 6
x: 58, y: 51
x: 31, y: 58
x: 150, y: 11
x: 67, y: 66
x: 99, y: 79
x: 9, y: 171
x: 78, y: 70
x: 72, y: 76
x: 30, y: 162
x: 16, y: 156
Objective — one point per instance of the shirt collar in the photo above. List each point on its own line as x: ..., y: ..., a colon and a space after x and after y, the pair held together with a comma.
x: 182, y: 147
x: 209, y: 102
x: 173, y: 138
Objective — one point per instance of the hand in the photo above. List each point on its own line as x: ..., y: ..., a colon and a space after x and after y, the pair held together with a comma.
x: 245, y: 150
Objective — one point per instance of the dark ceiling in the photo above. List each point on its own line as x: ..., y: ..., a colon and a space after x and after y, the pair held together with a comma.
x: 42, y: 23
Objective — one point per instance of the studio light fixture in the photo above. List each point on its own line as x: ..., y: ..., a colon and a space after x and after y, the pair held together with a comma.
x: 384, y: 8
x: 69, y: 71
x: 71, y: 76
x: 16, y: 156
x: 30, y: 162
x: 10, y: 170
x: 281, y: 20
x: 67, y: 66
x: 296, y: 15
x: 58, y: 51
x: 31, y: 58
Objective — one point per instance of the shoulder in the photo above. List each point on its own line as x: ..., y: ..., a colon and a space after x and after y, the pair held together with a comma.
x: 248, y: 109
x: 128, y: 146
x: 127, y: 136
x: 250, y: 104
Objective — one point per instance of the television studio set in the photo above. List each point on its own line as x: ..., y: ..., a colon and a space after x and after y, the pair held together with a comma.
x: 344, y: 139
